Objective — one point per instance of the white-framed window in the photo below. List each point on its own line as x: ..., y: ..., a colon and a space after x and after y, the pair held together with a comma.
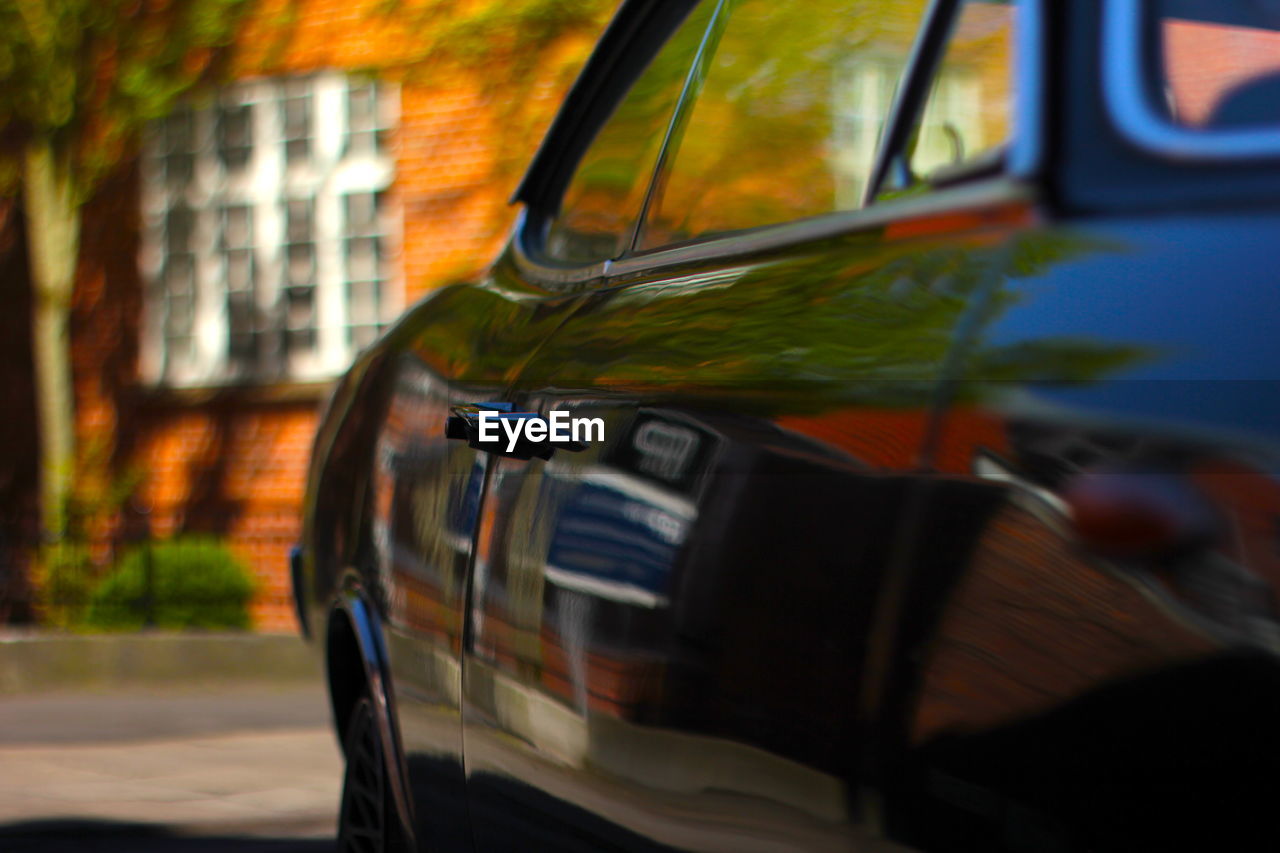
x: 862, y: 94
x: 269, y: 246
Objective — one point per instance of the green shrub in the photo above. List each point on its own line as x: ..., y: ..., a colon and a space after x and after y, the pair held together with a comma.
x: 196, y: 582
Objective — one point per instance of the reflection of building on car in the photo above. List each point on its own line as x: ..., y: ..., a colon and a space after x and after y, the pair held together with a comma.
x: 616, y: 539
x: 611, y: 540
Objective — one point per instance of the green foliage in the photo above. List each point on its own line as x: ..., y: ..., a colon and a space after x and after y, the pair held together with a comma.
x: 471, y: 33
x: 99, y: 493
x: 87, y: 74
x: 64, y: 577
x: 1060, y: 360
x: 194, y: 582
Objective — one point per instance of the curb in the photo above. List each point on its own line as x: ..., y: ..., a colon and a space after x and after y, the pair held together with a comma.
x: 48, y: 661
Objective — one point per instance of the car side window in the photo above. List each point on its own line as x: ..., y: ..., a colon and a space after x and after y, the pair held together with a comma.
x: 787, y: 121
x: 602, y: 203
x: 967, y: 117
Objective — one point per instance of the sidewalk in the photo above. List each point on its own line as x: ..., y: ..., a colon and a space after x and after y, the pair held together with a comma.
x: 238, y: 768
x: 35, y: 661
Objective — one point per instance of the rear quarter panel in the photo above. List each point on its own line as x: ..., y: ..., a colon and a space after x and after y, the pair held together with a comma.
x: 1048, y: 695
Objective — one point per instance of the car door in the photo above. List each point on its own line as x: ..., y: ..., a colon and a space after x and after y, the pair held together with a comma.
x: 681, y: 633
x: 463, y: 346
x: 421, y: 496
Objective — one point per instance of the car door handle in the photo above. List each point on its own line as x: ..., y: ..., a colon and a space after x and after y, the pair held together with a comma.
x: 461, y: 421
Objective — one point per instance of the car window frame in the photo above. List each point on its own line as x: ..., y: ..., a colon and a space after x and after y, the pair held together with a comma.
x: 891, y: 168
x: 622, y: 55
x: 695, y: 77
x: 1021, y: 165
x: 1020, y: 155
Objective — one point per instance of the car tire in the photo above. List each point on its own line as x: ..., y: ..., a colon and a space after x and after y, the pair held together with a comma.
x: 367, y: 819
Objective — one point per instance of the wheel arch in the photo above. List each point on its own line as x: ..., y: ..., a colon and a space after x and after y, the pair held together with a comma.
x: 345, y: 670
x: 356, y: 664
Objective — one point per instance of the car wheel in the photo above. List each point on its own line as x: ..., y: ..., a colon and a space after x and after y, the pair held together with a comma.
x: 367, y: 820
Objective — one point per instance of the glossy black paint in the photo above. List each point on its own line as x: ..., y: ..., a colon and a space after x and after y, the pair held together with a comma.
x: 824, y: 586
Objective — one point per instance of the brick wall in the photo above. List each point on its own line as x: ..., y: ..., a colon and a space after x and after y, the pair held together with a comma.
x: 233, y: 466
x: 233, y: 462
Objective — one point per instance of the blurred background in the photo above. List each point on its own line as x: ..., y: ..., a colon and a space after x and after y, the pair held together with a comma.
x: 207, y: 207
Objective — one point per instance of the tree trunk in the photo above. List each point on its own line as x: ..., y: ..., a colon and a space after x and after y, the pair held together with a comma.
x: 53, y: 241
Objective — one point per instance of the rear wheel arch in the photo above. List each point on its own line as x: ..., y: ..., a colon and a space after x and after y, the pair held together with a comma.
x: 344, y: 664
x: 356, y: 660
x: 355, y: 654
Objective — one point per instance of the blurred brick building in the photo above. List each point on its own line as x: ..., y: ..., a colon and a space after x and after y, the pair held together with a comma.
x: 359, y: 155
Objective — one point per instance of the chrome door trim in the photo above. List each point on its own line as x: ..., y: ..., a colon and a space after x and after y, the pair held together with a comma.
x: 1003, y: 190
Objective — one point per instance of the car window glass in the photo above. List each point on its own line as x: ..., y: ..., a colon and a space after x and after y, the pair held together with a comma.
x: 603, y: 200
x: 1218, y: 66
x: 966, y: 119
x: 787, y: 121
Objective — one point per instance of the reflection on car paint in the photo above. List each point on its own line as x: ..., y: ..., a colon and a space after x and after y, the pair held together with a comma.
x: 955, y: 531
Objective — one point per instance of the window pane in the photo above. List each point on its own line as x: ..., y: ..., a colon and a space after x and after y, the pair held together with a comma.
x: 300, y: 331
x: 178, y: 281
x: 363, y: 245
x: 235, y: 135
x: 604, y: 198
x: 362, y: 258
x: 178, y: 226
x: 298, y: 295
x: 364, y: 122
x: 179, y: 148
x: 298, y: 216
x: 237, y: 226
x: 361, y: 211
x: 242, y: 338
x: 362, y: 106
x: 300, y: 265
x: 295, y: 114
x: 240, y: 270
x: 787, y: 122
x: 364, y: 298
x: 179, y: 169
x: 179, y: 284
x: 241, y: 286
x: 364, y: 311
x: 967, y: 117
x: 1221, y: 62
x: 179, y: 131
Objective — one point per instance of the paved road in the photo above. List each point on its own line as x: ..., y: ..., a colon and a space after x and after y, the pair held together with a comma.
x: 243, y: 770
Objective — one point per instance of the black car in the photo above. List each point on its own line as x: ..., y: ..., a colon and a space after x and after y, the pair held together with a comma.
x: 927, y: 354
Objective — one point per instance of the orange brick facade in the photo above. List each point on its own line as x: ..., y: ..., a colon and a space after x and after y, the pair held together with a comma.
x: 232, y: 461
